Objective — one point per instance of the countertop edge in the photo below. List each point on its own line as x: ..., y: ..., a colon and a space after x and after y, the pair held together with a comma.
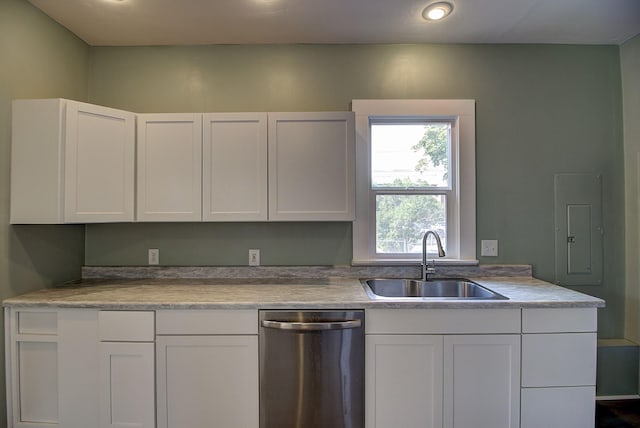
x: 286, y: 293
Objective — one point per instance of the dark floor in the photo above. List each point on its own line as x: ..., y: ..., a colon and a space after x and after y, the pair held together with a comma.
x: 618, y: 414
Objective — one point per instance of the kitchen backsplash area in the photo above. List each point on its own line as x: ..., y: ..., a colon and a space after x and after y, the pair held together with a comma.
x: 407, y: 271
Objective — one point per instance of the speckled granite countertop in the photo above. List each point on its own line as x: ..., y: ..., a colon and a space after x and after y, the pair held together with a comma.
x: 280, y: 293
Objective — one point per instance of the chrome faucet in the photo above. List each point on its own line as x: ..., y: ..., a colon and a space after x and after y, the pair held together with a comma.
x: 427, y: 270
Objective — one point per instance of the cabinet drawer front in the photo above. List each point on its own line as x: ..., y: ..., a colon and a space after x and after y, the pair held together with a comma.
x: 126, y: 326
x: 37, y: 322
x: 442, y: 321
x: 223, y: 321
x: 560, y: 320
x: 558, y: 407
x: 559, y: 359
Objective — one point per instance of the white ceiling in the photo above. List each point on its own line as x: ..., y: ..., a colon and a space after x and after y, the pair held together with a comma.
x: 195, y: 22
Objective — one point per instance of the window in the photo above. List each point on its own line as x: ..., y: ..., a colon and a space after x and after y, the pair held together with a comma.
x: 415, y: 171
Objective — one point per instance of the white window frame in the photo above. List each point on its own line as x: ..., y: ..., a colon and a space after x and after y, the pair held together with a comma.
x: 461, y: 201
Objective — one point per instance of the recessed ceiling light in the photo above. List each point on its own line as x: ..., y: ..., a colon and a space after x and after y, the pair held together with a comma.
x: 437, y: 11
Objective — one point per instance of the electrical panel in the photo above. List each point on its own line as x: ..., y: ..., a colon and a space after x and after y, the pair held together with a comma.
x: 578, y: 229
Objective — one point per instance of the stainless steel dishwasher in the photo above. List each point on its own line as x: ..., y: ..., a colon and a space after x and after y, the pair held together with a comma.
x: 311, y: 369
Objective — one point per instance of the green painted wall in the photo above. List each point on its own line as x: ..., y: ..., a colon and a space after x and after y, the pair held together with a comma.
x: 38, y: 59
x: 541, y: 110
x: 630, y: 70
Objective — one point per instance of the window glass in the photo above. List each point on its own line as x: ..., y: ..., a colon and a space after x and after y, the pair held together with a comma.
x: 401, y: 221
x: 412, y: 154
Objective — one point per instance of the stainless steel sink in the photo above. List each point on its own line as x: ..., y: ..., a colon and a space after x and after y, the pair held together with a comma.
x: 431, y: 289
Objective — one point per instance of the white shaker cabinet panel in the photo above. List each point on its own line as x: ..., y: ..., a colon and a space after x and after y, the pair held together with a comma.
x: 206, y: 381
x: 568, y: 407
x: 31, y: 354
x: 99, y: 164
x: 169, y: 180
x: 567, y: 359
x: 403, y: 381
x: 37, y: 161
x: 234, y: 175
x: 78, y: 368
x: 71, y: 162
x: 52, y: 367
x: 37, y: 383
x: 482, y: 381
x: 559, y: 320
x: 311, y: 166
x: 127, y: 385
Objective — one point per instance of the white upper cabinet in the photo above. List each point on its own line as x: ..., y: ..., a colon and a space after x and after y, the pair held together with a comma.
x: 169, y: 167
x: 71, y: 163
x: 234, y: 175
x: 74, y: 162
x: 311, y: 166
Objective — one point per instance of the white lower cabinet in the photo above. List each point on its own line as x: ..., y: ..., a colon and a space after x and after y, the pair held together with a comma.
x: 479, y: 368
x: 566, y: 407
x: 559, y: 368
x: 52, y: 367
x: 438, y: 368
x: 404, y: 381
x: 207, y: 381
x: 425, y: 381
x: 482, y: 381
x: 207, y: 372
x: 126, y: 369
x: 127, y: 384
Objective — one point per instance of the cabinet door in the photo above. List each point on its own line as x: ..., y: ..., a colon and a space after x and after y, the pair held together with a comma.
x: 169, y: 167
x: 403, y: 381
x: 234, y: 172
x: 99, y: 164
x: 52, y: 367
x: 482, y: 381
x: 32, y: 367
x: 311, y: 166
x: 127, y: 385
x: 207, y: 381
x: 556, y: 359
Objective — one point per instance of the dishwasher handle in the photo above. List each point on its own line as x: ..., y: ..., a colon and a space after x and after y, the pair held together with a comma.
x: 312, y: 326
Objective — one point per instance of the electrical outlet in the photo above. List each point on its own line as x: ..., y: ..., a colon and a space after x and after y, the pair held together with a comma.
x: 254, y: 257
x: 489, y: 248
x: 154, y: 256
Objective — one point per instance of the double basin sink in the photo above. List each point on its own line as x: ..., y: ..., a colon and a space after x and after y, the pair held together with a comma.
x: 458, y: 288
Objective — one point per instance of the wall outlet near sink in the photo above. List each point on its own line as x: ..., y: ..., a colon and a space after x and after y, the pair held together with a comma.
x: 489, y: 248
x: 154, y: 256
